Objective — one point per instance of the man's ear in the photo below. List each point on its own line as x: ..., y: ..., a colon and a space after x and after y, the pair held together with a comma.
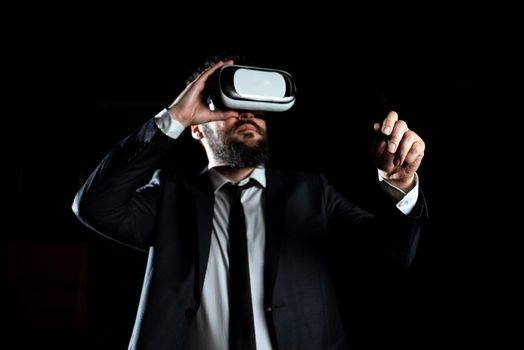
x: 196, y: 132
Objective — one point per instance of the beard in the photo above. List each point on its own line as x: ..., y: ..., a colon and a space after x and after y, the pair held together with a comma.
x: 235, y: 153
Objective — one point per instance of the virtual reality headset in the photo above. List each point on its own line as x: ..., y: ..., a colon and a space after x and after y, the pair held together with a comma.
x: 251, y: 88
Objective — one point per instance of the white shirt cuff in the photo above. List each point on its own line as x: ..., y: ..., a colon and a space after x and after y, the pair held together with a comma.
x: 405, y: 201
x: 169, y: 126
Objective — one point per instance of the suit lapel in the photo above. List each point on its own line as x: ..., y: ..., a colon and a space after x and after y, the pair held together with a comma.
x: 275, y: 204
x: 204, y: 202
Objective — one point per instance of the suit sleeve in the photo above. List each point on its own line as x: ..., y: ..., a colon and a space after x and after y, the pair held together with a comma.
x: 119, y: 199
x: 385, y: 233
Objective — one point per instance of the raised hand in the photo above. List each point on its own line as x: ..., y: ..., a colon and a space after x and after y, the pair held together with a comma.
x: 190, y: 108
x: 397, y: 151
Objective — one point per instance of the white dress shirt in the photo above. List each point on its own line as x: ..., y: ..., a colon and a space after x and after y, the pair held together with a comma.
x: 210, y: 329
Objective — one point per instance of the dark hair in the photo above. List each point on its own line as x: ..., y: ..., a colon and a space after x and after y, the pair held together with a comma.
x: 223, y: 56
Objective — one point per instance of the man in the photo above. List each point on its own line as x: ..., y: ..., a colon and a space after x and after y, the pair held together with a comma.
x: 185, y: 222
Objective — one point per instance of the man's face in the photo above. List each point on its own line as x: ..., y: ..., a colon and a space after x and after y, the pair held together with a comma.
x: 237, y: 142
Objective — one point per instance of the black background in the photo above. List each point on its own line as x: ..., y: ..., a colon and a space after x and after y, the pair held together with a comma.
x: 78, y: 88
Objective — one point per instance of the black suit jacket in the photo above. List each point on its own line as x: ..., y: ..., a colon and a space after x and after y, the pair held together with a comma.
x: 170, y: 216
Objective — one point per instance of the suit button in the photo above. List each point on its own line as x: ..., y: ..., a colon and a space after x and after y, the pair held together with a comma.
x: 190, y: 313
x: 269, y: 309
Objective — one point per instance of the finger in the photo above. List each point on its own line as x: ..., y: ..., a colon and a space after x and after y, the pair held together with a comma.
x: 414, y: 157
x: 222, y: 115
x: 399, y: 128
x: 210, y: 70
x: 379, y: 143
x: 230, y: 114
x: 389, y: 122
x: 198, y: 85
x: 408, y: 139
x: 415, y: 153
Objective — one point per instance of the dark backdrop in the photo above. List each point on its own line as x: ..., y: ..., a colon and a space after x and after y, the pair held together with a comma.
x: 68, y: 287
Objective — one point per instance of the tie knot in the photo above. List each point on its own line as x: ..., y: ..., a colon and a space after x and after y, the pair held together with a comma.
x: 236, y: 190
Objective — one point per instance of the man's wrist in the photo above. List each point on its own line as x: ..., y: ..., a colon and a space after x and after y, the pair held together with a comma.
x: 406, y: 200
x: 169, y: 125
x: 405, y: 185
x: 175, y: 115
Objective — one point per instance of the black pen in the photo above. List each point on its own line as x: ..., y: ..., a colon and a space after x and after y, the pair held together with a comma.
x: 383, y: 113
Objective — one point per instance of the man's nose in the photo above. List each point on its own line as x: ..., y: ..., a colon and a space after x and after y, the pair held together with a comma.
x: 246, y: 115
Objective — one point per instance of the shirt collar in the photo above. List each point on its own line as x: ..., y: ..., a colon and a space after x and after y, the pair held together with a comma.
x: 218, y: 180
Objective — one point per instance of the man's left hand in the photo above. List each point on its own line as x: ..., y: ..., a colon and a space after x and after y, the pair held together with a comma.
x: 397, y: 151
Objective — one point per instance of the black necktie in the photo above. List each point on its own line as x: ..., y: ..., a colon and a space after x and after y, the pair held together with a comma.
x: 241, y: 325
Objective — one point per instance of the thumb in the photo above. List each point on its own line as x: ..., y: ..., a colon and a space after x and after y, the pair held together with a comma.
x: 382, y: 158
x: 379, y: 141
x: 222, y: 115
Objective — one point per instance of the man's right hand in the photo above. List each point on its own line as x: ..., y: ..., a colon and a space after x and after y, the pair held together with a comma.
x: 189, y: 108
